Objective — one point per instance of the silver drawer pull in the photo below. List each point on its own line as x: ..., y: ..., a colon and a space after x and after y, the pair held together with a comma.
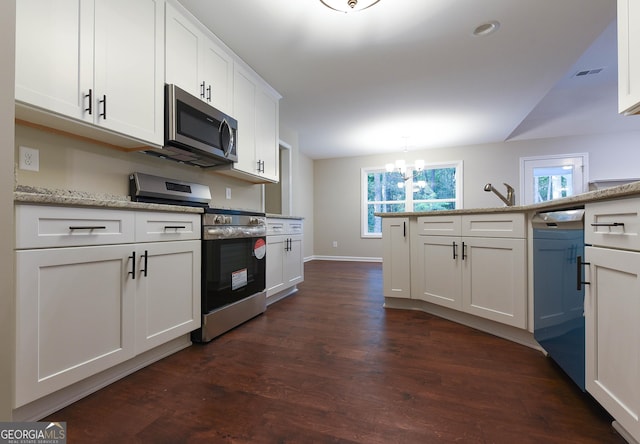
x: 88, y: 227
x: 613, y: 224
x: 174, y: 227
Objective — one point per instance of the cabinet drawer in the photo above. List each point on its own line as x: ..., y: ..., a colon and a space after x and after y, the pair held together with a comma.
x: 439, y: 226
x: 276, y: 226
x: 163, y: 226
x: 614, y: 224
x: 510, y: 225
x: 294, y: 227
x: 39, y: 226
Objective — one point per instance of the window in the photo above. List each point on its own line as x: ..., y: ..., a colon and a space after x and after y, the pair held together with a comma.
x: 552, y: 177
x: 436, y: 187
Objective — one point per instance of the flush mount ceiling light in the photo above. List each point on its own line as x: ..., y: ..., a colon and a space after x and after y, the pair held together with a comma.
x: 348, y: 5
x: 486, y: 28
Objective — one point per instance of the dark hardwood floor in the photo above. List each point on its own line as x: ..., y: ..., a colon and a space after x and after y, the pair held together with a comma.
x: 331, y: 365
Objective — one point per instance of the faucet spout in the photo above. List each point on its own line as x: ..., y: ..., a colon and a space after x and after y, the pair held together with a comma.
x: 509, y: 200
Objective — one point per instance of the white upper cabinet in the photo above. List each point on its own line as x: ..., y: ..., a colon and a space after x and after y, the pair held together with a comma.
x: 96, y: 61
x: 256, y: 107
x: 54, y: 52
x: 195, y: 62
x: 629, y: 56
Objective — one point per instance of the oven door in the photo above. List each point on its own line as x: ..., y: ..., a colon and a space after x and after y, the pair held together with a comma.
x: 232, y: 270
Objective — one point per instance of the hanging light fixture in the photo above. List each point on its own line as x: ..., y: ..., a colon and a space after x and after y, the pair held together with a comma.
x: 401, y: 166
x: 348, y: 5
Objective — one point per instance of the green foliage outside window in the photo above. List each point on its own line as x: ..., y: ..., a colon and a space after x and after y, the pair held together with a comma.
x: 432, y: 189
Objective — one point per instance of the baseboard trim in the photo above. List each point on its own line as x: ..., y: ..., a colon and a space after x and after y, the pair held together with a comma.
x: 343, y: 258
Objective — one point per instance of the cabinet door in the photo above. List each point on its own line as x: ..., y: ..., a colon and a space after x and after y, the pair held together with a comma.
x: 129, y: 66
x: 218, y: 76
x: 612, y: 305
x: 494, y: 284
x: 267, y: 148
x: 244, y: 110
x: 54, y: 55
x: 275, y: 264
x: 437, y: 277
x: 182, y: 53
x: 75, y: 316
x: 396, y: 265
x: 167, y: 293
x: 294, y: 261
x: 628, y: 56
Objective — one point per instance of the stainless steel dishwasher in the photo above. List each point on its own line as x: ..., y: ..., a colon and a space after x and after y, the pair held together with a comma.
x: 558, y: 246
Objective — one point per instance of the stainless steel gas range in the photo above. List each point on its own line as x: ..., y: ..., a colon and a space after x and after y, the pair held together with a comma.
x: 233, y: 253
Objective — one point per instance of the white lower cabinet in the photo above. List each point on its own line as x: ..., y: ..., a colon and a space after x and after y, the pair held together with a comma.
x: 396, y: 252
x: 472, y: 263
x: 75, y: 316
x: 167, y: 293
x: 83, y: 309
x: 612, y: 306
x: 285, y: 260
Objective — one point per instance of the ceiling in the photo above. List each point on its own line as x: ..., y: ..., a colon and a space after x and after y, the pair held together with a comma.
x: 411, y: 74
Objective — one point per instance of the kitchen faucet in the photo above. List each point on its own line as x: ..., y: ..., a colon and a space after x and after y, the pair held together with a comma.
x: 510, y: 200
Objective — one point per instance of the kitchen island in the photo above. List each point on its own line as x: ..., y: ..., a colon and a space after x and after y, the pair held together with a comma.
x: 475, y: 267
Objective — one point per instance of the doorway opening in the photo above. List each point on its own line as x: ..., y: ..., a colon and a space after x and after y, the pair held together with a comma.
x: 277, y: 196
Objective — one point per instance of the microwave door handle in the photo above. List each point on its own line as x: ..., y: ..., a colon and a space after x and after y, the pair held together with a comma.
x: 227, y: 140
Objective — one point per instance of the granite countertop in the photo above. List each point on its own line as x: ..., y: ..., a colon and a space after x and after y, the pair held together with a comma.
x: 37, y: 195
x: 280, y: 216
x: 621, y: 191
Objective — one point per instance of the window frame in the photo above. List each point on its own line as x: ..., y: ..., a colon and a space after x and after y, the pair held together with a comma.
x: 408, y: 201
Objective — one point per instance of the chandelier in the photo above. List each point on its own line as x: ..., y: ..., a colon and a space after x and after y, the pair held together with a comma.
x: 401, y: 167
x: 348, y: 5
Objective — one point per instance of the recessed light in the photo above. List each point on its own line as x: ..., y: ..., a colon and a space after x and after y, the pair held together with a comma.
x: 486, y: 28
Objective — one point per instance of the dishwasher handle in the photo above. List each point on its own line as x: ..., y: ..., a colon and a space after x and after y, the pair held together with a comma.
x: 580, y: 282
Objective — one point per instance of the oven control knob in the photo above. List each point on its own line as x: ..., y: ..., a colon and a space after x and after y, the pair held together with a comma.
x: 227, y: 219
x: 219, y: 219
x: 255, y: 221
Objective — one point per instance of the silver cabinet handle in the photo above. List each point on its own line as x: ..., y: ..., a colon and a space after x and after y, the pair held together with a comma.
x: 174, y: 227
x: 612, y: 224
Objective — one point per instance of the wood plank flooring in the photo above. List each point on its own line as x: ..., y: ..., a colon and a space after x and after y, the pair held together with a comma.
x: 331, y: 365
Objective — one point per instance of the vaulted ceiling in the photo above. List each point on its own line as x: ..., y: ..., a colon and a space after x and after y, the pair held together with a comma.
x: 408, y: 72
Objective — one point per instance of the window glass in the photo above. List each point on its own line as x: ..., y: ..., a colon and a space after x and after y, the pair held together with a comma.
x: 436, y: 187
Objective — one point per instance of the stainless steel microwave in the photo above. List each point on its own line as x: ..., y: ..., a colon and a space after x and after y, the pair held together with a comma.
x: 196, y: 133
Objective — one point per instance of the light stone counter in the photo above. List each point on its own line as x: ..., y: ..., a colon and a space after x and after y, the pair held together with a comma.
x: 280, y: 216
x: 618, y: 192
x: 36, y: 195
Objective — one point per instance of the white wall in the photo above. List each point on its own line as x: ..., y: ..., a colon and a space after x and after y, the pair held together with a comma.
x: 70, y: 164
x: 7, y: 292
x: 337, y: 181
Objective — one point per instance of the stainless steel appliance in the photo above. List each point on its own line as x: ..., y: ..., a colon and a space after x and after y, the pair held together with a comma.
x: 558, y: 246
x: 195, y: 132
x: 233, y: 253
x: 233, y: 270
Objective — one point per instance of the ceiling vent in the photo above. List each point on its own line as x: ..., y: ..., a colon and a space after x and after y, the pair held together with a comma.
x: 588, y: 72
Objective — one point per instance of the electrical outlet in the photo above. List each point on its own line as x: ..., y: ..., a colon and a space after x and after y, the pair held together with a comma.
x: 29, y: 159
x: 228, y: 193
x: 335, y: 244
